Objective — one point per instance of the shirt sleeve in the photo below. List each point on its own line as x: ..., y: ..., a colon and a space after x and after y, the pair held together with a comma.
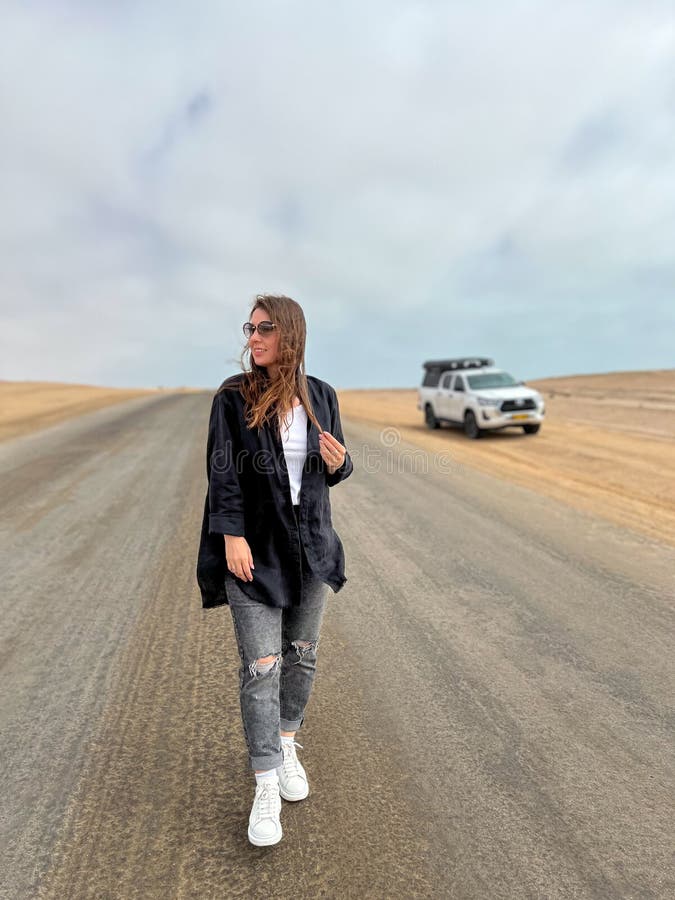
x: 347, y: 466
x: 226, y: 502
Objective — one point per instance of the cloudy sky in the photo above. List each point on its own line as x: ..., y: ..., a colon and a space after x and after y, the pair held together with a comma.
x: 426, y: 178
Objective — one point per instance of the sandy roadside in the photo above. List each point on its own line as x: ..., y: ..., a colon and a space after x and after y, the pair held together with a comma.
x: 27, y: 406
x: 607, y: 446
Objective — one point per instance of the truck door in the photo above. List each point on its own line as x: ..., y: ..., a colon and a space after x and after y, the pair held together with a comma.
x: 455, y: 401
x: 443, y: 395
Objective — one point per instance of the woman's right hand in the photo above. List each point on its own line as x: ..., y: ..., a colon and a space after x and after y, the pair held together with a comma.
x: 238, y: 556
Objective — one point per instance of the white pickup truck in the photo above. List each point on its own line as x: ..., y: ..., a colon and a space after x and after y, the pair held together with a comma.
x: 472, y: 393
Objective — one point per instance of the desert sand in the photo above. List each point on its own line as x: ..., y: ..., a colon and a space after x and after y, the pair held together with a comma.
x: 27, y: 406
x: 607, y: 446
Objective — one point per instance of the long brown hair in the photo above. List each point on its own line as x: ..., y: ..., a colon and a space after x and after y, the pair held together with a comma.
x: 267, y: 398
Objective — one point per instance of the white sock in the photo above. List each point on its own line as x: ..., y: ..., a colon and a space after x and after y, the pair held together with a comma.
x: 289, y: 740
x: 267, y: 775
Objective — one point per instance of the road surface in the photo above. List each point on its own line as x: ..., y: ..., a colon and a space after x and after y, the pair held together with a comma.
x: 492, y: 715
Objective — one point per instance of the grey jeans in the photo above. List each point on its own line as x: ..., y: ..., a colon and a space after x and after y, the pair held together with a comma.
x: 273, y: 695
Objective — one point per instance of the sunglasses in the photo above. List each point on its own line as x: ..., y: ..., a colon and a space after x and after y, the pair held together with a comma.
x: 263, y: 328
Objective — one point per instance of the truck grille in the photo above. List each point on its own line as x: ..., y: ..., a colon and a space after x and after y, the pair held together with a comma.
x: 517, y: 405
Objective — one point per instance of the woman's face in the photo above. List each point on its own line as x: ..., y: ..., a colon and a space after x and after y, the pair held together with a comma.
x: 264, y: 348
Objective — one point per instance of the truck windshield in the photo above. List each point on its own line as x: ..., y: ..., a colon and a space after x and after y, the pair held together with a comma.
x: 491, y: 380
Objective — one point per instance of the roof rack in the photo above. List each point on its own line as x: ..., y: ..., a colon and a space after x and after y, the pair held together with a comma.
x: 465, y: 362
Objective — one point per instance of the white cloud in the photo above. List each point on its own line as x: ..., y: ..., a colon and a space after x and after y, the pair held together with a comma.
x: 162, y: 163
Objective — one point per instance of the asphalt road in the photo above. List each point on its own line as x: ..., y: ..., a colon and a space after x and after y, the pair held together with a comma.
x: 492, y: 715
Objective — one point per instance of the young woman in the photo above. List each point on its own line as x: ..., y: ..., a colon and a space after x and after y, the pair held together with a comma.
x: 268, y: 547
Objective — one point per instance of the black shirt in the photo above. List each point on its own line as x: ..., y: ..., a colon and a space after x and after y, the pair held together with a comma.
x: 249, y: 494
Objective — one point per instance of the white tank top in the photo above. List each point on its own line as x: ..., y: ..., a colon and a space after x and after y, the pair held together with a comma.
x: 294, y: 440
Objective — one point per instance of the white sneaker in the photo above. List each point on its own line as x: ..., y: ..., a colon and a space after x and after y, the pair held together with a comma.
x: 293, y: 783
x: 264, y: 827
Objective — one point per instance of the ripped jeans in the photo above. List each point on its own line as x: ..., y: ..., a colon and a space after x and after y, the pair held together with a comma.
x: 273, y: 695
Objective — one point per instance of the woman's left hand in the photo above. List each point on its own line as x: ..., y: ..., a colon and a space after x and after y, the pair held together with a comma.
x: 332, y: 451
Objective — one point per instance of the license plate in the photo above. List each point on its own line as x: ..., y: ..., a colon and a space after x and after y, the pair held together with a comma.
x: 521, y: 416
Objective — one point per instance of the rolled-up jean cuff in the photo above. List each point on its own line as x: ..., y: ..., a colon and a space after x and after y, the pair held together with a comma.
x: 263, y: 763
x: 290, y: 724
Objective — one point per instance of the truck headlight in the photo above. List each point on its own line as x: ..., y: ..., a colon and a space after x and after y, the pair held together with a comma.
x: 488, y: 401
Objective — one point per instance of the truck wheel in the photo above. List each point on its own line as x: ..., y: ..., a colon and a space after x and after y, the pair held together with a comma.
x: 531, y: 429
x: 471, y: 428
x: 429, y: 417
